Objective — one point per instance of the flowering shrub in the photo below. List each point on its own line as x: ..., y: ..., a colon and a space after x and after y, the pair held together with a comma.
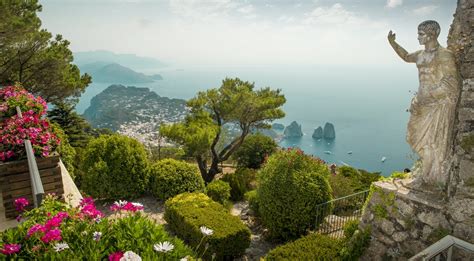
x: 55, y: 231
x: 14, y: 130
x: 291, y: 185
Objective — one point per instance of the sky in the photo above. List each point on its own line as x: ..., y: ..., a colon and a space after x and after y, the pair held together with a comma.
x: 245, y: 32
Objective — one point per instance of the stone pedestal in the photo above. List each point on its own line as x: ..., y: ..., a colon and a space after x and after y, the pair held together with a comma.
x: 404, y: 221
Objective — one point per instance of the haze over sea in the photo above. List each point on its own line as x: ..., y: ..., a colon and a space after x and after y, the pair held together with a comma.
x: 366, y: 104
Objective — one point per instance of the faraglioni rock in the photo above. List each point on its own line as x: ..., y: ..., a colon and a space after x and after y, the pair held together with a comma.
x: 318, y: 133
x: 329, y: 131
x: 293, y: 130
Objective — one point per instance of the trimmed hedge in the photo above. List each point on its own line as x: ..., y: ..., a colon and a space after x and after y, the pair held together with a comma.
x: 170, y: 177
x: 291, y: 185
x: 219, y: 191
x: 310, y: 247
x: 252, y: 198
x: 240, y: 182
x: 187, y: 212
x: 115, y: 167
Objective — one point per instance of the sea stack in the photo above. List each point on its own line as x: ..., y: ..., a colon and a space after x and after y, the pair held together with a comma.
x: 318, y: 133
x: 293, y: 130
x: 329, y: 132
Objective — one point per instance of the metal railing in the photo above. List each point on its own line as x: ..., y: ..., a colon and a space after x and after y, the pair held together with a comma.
x: 443, y: 249
x: 36, y: 184
x: 331, y: 216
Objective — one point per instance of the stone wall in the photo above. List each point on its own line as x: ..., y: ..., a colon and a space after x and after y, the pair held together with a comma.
x: 461, y: 42
x: 403, y: 221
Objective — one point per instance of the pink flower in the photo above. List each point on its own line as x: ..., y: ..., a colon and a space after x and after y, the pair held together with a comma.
x: 91, y: 212
x: 9, y: 249
x: 116, y: 256
x: 20, y: 203
x: 53, y: 223
x: 87, y: 201
x: 133, y: 207
x: 52, y: 235
x: 35, y: 228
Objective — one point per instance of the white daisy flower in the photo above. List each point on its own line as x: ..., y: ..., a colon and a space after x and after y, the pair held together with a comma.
x: 206, y: 231
x: 163, y: 247
x: 96, y: 235
x: 60, y: 247
x: 136, y: 204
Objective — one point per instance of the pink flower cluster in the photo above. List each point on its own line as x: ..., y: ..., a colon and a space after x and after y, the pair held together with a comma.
x: 12, y: 96
x: 116, y: 256
x: 88, y: 209
x: 126, y: 206
x: 15, y: 130
x: 10, y: 249
x: 50, y: 230
x: 20, y: 204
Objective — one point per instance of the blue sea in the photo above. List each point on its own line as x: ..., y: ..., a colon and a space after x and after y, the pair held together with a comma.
x: 366, y: 104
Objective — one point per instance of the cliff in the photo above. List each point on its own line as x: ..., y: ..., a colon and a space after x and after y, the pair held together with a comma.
x: 293, y: 130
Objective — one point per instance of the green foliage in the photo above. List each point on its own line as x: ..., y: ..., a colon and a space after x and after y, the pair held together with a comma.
x: 240, y: 182
x: 127, y: 232
x: 73, y: 124
x: 158, y: 153
x: 360, y: 179
x: 310, y: 247
x: 170, y: 177
x: 252, y: 198
x: 65, y: 150
x: 354, y: 246
x: 437, y: 234
x: 235, y: 102
x: 350, y: 228
x: 115, y: 167
x: 187, y: 212
x: 31, y: 56
x: 291, y: 185
x: 254, y: 150
x: 219, y: 191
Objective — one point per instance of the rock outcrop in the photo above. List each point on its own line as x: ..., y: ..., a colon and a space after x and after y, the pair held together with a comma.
x: 318, y: 133
x: 278, y: 126
x: 293, y: 130
x: 329, y: 131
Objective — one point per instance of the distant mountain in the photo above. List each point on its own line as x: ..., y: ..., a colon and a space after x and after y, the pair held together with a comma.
x: 133, y: 111
x: 116, y: 73
x: 128, y: 60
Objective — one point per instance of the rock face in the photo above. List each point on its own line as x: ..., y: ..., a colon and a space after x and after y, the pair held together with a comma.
x: 460, y: 41
x: 278, y: 126
x: 318, y: 133
x: 329, y: 131
x: 293, y: 130
x: 133, y: 111
x: 404, y: 222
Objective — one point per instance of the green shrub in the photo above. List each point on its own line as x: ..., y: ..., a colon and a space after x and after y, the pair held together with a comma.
x: 115, y: 167
x: 240, y: 182
x: 219, y: 191
x: 170, y: 177
x: 65, y: 150
x: 252, y: 198
x: 350, y: 227
x: 291, y: 185
x: 187, y: 212
x: 310, y: 247
x: 126, y: 232
x: 355, y: 246
x: 399, y: 175
x: 254, y: 150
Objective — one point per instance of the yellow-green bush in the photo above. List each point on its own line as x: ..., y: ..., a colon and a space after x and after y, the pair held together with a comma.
x: 187, y: 212
x: 219, y: 191
x: 291, y: 185
x: 310, y: 247
x: 170, y: 177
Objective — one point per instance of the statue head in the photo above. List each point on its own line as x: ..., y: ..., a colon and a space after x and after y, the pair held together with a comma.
x: 428, y: 31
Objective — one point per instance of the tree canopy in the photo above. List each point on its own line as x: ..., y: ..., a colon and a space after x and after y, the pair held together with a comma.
x: 236, y: 103
x: 31, y: 56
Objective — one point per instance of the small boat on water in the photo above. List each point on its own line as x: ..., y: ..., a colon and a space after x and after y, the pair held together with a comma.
x: 349, y: 152
x: 345, y: 164
x: 383, y: 159
x: 327, y: 152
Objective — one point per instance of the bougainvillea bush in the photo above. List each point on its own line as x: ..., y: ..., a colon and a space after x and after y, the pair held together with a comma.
x: 57, y: 232
x: 33, y: 126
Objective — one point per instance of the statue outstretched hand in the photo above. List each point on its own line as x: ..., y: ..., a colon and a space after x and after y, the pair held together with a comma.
x: 391, y: 37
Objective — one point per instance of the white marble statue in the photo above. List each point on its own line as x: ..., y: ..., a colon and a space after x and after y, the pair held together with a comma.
x: 432, y: 109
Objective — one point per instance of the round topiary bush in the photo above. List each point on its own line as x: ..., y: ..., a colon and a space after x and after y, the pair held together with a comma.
x: 219, y: 191
x: 170, y: 177
x: 254, y: 150
x: 241, y: 181
x: 291, y: 184
x: 115, y: 167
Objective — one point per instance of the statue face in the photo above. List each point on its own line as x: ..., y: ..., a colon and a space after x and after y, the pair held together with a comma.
x: 423, y: 37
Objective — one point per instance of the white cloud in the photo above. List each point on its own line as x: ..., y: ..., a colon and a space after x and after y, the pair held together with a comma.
x: 210, y: 9
x: 394, y: 3
x: 425, y: 10
x: 335, y: 15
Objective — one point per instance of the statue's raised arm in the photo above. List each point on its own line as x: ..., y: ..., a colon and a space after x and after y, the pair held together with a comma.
x: 407, y: 57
